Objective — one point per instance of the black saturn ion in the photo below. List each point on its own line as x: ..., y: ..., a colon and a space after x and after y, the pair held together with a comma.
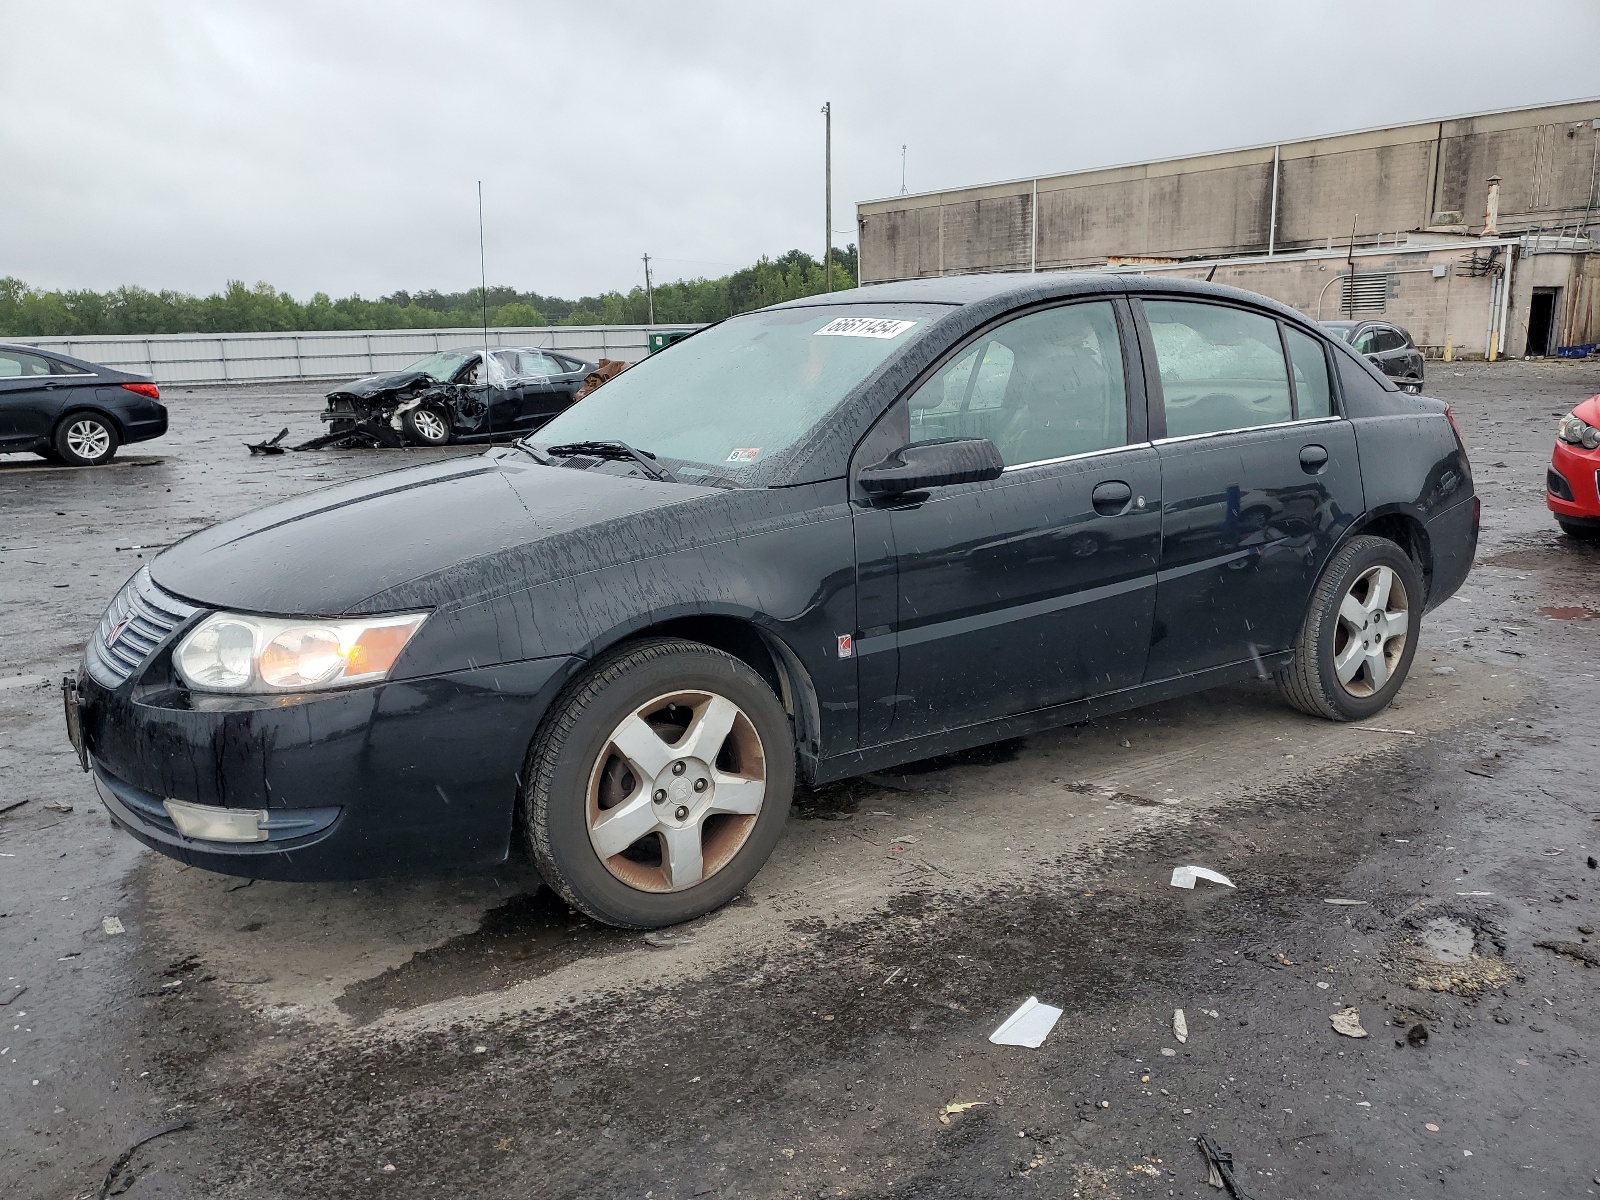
x: 808, y: 542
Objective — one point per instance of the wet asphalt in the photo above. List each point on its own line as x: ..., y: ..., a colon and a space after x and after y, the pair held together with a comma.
x: 472, y: 1037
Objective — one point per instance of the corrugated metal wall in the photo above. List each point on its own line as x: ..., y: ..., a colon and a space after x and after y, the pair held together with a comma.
x: 277, y: 357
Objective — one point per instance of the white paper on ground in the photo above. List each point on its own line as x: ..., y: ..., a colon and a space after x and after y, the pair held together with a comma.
x: 1184, y: 877
x: 1028, y: 1026
x: 1180, y: 1027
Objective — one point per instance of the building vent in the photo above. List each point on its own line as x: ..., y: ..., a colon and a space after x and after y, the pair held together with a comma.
x: 1363, y: 293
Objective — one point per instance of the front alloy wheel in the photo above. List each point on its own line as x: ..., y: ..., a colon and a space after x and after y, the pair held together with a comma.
x: 658, y: 784
x: 676, y: 791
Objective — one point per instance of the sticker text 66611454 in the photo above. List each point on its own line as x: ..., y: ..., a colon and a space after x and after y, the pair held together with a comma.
x: 872, y: 327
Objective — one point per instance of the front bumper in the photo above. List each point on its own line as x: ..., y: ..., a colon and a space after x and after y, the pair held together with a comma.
x: 1579, y: 470
x: 406, y: 777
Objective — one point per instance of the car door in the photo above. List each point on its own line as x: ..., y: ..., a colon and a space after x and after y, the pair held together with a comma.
x: 31, y: 398
x: 983, y: 600
x: 1259, y: 478
x: 543, y: 395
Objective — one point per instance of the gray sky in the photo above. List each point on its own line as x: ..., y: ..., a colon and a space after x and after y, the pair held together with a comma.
x: 333, y: 146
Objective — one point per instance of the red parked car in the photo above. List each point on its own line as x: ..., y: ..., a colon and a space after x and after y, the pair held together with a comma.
x: 1572, y: 485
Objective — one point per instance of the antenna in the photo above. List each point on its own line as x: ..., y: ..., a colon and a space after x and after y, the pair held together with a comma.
x: 649, y: 292
x: 483, y: 283
x: 902, y: 169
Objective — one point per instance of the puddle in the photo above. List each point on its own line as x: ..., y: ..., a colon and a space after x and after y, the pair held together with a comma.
x: 1571, y: 612
x: 524, y: 938
x: 1448, y: 940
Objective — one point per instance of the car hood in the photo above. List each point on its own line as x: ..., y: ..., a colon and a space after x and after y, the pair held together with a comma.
x: 1588, y: 410
x: 377, y: 385
x: 443, y: 535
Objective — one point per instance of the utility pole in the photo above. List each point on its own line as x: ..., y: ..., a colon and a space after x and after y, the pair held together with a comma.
x: 902, y: 168
x: 827, y: 170
x: 649, y: 291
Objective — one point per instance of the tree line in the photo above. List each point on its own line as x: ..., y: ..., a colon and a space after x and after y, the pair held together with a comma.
x: 238, y: 308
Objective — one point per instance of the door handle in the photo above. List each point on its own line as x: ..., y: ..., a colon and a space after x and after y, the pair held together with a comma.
x: 1111, y: 497
x: 1313, y: 458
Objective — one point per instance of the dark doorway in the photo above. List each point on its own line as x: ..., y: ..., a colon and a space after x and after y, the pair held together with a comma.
x: 1541, y: 321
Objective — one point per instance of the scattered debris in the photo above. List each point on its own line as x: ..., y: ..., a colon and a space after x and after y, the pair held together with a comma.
x: 910, y: 839
x: 1577, y: 950
x: 1028, y: 1026
x: 1184, y: 877
x: 1348, y: 1022
x: 1444, y: 670
x: 270, y: 446
x: 666, y: 939
x: 1220, y: 1164
x: 1180, y: 1027
x: 1381, y: 729
x: 1417, y: 1035
x: 1351, y: 903
x: 1479, y: 772
x: 956, y: 1107
x: 1168, y: 1053
x: 127, y: 1155
x: 57, y: 806
x: 1430, y: 1127
x: 113, y: 926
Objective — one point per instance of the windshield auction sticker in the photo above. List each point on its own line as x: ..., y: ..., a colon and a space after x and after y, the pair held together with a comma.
x: 746, y: 454
x: 873, y: 327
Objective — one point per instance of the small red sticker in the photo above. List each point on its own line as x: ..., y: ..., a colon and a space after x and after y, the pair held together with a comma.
x: 846, y: 645
x: 747, y: 454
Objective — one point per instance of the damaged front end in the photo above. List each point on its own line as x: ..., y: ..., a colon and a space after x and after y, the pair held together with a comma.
x: 411, y: 408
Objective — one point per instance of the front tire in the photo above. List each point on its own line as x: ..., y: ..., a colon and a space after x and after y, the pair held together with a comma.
x: 1360, y: 633
x: 426, y: 426
x: 659, y: 784
x: 85, y: 439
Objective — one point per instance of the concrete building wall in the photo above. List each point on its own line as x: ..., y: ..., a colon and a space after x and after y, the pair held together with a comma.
x: 1382, y: 182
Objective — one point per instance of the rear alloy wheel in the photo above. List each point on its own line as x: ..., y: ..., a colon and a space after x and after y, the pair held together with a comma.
x: 86, y: 440
x: 1359, y: 636
x: 1412, y: 387
x: 426, y: 426
x: 659, y: 784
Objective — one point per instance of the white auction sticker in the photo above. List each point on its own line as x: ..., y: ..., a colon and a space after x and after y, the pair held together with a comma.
x: 873, y: 327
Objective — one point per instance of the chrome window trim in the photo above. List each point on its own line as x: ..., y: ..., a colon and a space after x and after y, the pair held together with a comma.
x: 1194, y: 437
x: 1047, y: 462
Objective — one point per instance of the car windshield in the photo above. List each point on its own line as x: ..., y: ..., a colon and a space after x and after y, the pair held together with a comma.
x: 739, y: 393
x: 443, y: 365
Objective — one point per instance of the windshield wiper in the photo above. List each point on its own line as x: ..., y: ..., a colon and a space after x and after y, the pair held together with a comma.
x: 617, y: 452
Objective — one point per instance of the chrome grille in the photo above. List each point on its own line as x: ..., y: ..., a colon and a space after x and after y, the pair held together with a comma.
x: 146, y: 615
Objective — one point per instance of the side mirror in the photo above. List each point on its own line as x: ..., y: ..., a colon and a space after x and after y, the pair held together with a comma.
x: 933, y: 464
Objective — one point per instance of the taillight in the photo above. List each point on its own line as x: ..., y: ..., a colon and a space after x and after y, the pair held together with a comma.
x: 144, y: 389
x: 1450, y: 415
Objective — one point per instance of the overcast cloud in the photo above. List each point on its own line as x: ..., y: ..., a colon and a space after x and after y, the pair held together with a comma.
x: 330, y: 146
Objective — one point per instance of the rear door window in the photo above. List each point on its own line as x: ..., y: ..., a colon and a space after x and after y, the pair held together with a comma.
x: 1221, y: 368
x: 14, y: 363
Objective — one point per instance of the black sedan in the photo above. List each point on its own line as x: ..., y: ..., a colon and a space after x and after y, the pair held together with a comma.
x: 450, y: 396
x: 1389, y: 348
x: 73, y: 411
x: 809, y: 542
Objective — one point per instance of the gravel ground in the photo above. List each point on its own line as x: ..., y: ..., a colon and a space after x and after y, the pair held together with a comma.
x: 471, y: 1036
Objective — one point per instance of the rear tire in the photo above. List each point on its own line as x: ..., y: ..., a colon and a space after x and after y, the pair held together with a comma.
x: 1359, y: 635
x: 426, y: 426
x: 1580, y: 533
x: 659, y: 784
x: 86, y: 439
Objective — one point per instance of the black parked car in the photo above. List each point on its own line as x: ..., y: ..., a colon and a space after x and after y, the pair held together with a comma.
x: 450, y: 397
x: 1389, y: 347
x: 806, y: 543
x: 73, y: 411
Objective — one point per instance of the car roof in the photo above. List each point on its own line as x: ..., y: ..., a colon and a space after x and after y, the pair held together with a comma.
x: 1015, y: 288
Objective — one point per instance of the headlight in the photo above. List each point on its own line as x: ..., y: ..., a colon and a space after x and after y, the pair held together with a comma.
x: 1578, y: 432
x: 231, y: 653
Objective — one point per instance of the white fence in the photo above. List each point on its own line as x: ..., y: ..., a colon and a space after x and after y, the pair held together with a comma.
x: 277, y: 357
